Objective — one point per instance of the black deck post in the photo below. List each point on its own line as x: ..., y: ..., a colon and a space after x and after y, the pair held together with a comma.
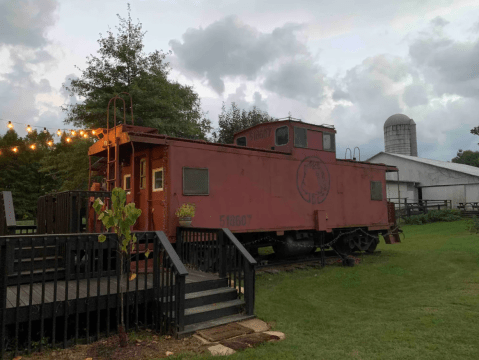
x: 179, y: 243
x: 222, y: 254
x: 180, y: 296
x: 249, y: 287
x: 4, y: 265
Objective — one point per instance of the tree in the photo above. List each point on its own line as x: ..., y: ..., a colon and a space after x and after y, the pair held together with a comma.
x: 122, y: 66
x: 68, y: 164
x: 467, y: 157
x: 120, y: 218
x: 20, y: 170
x: 234, y: 120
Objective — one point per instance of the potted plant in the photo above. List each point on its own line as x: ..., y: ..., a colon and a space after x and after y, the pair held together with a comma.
x: 185, y: 214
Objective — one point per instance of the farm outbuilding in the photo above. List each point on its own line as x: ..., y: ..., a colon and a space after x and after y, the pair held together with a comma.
x: 429, y: 179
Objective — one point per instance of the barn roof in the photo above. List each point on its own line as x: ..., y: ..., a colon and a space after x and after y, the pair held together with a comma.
x: 465, y: 169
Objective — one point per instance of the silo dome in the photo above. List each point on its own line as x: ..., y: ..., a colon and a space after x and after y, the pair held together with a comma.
x: 400, y: 135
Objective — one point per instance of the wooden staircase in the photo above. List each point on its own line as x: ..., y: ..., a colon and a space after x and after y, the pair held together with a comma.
x: 210, y: 303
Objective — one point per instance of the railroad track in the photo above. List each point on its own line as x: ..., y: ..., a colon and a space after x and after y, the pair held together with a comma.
x: 268, y: 263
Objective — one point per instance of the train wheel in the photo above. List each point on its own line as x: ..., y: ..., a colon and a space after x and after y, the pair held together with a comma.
x: 373, y: 246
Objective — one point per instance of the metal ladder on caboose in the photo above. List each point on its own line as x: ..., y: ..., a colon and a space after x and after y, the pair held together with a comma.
x: 115, y: 181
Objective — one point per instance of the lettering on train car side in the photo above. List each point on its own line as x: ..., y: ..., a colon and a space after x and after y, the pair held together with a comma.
x: 235, y: 220
x: 313, y: 180
x: 259, y: 134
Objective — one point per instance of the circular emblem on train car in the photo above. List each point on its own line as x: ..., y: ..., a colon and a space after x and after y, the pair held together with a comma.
x: 312, y: 180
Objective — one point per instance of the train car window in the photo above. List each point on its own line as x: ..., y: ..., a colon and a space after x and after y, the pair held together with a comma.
x: 195, y: 181
x: 157, y: 179
x: 241, y: 141
x: 142, y: 173
x: 127, y: 182
x: 282, y: 135
x: 328, y: 142
x: 376, y: 190
x: 300, y: 137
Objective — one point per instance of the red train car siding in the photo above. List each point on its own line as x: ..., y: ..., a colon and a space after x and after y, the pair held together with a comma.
x: 152, y: 203
x: 253, y: 191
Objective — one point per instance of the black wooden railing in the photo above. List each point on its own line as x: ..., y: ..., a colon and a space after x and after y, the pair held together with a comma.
x: 219, y: 251
x: 69, y: 212
x: 58, y: 289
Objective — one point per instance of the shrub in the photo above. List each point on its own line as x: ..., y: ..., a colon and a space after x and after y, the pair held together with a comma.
x: 433, y: 216
x: 473, y: 225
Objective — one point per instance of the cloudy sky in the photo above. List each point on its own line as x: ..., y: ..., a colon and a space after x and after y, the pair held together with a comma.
x: 348, y: 63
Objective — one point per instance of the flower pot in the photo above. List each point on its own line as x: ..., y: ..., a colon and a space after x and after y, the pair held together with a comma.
x: 185, y: 221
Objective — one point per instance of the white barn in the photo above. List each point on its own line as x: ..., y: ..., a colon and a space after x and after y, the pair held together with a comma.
x: 425, y: 179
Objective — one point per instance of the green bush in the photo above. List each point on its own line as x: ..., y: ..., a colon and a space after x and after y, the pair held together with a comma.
x: 434, y: 216
x: 473, y: 225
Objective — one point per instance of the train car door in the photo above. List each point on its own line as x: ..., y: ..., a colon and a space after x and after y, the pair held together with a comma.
x: 140, y: 189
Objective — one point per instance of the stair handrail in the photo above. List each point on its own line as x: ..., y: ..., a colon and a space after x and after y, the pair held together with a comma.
x: 180, y: 280
x: 249, y: 268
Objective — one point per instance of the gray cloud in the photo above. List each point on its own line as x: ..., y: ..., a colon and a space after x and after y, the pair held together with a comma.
x: 415, y: 94
x: 229, y: 48
x: 299, y: 79
x: 451, y: 66
x: 25, y: 22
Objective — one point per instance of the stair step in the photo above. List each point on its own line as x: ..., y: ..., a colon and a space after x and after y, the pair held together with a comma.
x: 212, y: 311
x: 190, y: 329
x: 205, y: 285
x: 211, y: 296
x: 37, y: 276
x: 25, y: 263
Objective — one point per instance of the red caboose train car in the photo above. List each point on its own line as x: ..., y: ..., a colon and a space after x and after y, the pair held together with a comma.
x: 280, y: 184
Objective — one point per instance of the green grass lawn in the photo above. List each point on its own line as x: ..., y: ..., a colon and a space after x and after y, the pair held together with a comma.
x: 416, y: 300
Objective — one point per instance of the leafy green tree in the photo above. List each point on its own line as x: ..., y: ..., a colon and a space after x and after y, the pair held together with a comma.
x: 122, y: 66
x: 120, y: 218
x: 68, y: 164
x: 233, y: 120
x: 467, y: 157
x: 20, y: 170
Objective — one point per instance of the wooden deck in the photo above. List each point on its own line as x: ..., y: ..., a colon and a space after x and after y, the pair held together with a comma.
x: 84, y: 294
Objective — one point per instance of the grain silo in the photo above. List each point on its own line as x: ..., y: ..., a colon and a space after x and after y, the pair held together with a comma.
x: 400, y: 135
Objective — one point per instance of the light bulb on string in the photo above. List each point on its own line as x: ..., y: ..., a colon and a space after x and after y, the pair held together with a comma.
x: 45, y: 130
x: 68, y: 139
x: 33, y: 146
x: 93, y: 132
x: 10, y: 125
x: 73, y: 132
x: 59, y: 132
x: 50, y: 142
x: 81, y: 132
x: 85, y: 135
x: 29, y: 129
x: 15, y: 149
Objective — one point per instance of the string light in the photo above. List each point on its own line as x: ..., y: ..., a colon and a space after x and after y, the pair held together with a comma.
x: 82, y: 133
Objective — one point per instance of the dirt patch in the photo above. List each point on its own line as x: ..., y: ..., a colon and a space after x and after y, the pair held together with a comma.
x: 142, y: 345
x: 224, y: 332
x: 248, y: 341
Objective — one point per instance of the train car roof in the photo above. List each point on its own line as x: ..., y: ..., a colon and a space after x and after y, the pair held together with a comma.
x: 136, y: 134
x: 285, y: 120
